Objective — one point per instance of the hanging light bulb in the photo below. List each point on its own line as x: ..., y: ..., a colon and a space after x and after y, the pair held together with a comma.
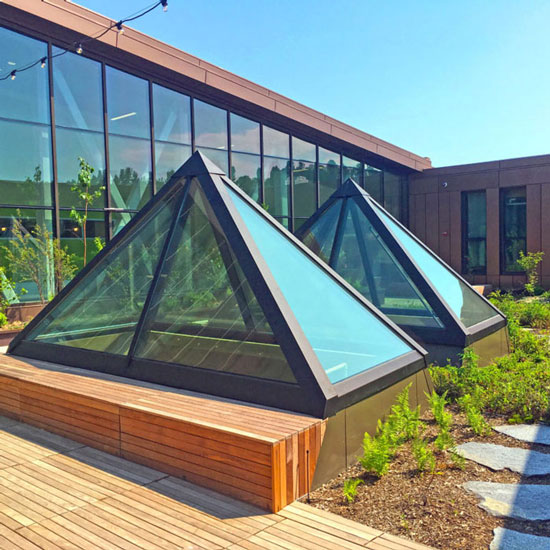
x: 43, y: 62
x: 120, y: 28
x: 79, y: 49
x: 164, y: 5
x: 12, y: 74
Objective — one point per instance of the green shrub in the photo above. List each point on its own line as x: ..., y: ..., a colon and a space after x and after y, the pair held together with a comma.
x: 476, y: 421
x: 3, y: 319
x: 529, y: 263
x: 458, y: 460
x: 377, y: 455
x: 444, y: 419
x: 404, y: 422
x: 350, y: 489
x: 425, y: 459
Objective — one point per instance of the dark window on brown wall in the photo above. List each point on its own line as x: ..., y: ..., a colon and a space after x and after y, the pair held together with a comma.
x: 513, y: 227
x: 474, y: 233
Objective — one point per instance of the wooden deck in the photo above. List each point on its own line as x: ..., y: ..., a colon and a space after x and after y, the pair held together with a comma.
x: 262, y: 456
x: 57, y: 494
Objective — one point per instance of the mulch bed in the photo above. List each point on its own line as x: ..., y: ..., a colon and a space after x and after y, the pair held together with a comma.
x: 431, y: 509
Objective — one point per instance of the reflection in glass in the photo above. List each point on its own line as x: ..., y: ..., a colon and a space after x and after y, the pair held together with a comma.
x: 303, y: 150
x: 127, y: 104
x: 72, y: 144
x: 276, y: 144
x: 26, y: 168
x: 461, y: 298
x: 329, y: 180
x: 392, y: 194
x: 351, y: 339
x: 373, y: 182
x: 28, y: 279
x: 119, y: 220
x: 210, y: 125
x: 304, y: 181
x: 474, y: 207
x: 352, y: 169
x: 71, y: 236
x: 130, y: 160
x: 102, y: 313
x: 77, y: 91
x: 319, y: 238
x: 245, y: 135
x: 217, y: 156
x: 204, y: 313
x: 172, y: 114
x: 328, y: 157
x: 514, y: 227
x: 169, y: 157
x: 26, y: 97
x: 277, y: 186
x: 246, y: 173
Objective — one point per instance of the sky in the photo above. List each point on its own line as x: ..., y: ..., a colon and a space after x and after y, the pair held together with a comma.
x: 458, y: 82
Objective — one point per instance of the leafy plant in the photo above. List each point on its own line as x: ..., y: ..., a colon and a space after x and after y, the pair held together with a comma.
x: 529, y: 263
x: 377, y: 454
x: 458, y: 460
x: 350, y: 489
x: 444, y: 419
x: 425, y: 459
x: 83, y: 190
x: 476, y: 421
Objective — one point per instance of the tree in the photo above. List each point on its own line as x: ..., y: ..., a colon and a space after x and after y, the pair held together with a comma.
x: 82, y: 189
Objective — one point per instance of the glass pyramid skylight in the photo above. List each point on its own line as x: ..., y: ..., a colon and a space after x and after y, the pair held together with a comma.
x: 395, y: 271
x: 204, y: 290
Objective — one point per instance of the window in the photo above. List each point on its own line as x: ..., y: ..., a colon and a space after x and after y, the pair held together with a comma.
x: 129, y: 139
x: 393, y: 195
x: 245, y: 155
x: 352, y: 169
x: 277, y: 174
x: 329, y: 173
x: 79, y: 124
x: 72, y: 238
x: 172, y: 119
x: 513, y: 227
x: 374, y: 182
x: 25, y: 136
x: 304, y: 177
x: 474, y: 233
x: 211, y: 132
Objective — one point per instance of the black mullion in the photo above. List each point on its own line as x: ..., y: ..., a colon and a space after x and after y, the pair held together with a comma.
x: 156, y: 276
x: 54, y: 183
x: 192, y: 116
x: 228, y: 138
x: 365, y: 257
x: 152, y: 137
x: 339, y: 234
x: 262, y: 183
x: 317, y: 183
x: 108, y: 205
x: 291, y: 188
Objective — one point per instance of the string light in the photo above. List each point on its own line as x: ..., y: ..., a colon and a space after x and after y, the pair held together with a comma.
x: 78, y: 46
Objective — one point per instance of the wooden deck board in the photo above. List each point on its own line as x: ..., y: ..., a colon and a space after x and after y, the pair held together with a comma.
x: 84, y: 499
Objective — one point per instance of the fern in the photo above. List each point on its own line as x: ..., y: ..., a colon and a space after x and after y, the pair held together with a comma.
x: 350, y: 489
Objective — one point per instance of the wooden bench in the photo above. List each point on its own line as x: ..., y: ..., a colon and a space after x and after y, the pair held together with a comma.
x: 262, y: 456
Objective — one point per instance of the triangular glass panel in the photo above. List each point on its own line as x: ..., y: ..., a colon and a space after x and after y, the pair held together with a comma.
x: 367, y: 263
x: 346, y: 337
x: 203, y: 312
x: 320, y: 237
x: 464, y: 301
x: 101, y: 312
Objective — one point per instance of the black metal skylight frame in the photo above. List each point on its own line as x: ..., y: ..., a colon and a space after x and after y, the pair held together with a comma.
x: 454, y: 331
x: 312, y: 394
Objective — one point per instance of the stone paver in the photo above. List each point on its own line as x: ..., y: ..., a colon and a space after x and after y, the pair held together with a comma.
x: 506, y: 539
x: 525, y: 502
x: 532, y: 433
x: 497, y: 457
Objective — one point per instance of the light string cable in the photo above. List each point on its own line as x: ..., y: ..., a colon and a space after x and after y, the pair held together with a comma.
x: 77, y: 46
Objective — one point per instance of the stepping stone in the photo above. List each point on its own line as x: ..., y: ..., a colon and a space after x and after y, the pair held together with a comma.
x: 506, y: 539
x: 523, y: 461
x: 526, y: 502
x: 532, y: 433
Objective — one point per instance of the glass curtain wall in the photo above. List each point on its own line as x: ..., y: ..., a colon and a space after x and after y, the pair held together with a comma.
x: 277, y: 174
x: 304, y: 180
x: 474, y: 233
x: 100, y: 109
x: 246, y: 161
x: 172, y: 127
x: 329, y: 173
x: 513, y: 217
